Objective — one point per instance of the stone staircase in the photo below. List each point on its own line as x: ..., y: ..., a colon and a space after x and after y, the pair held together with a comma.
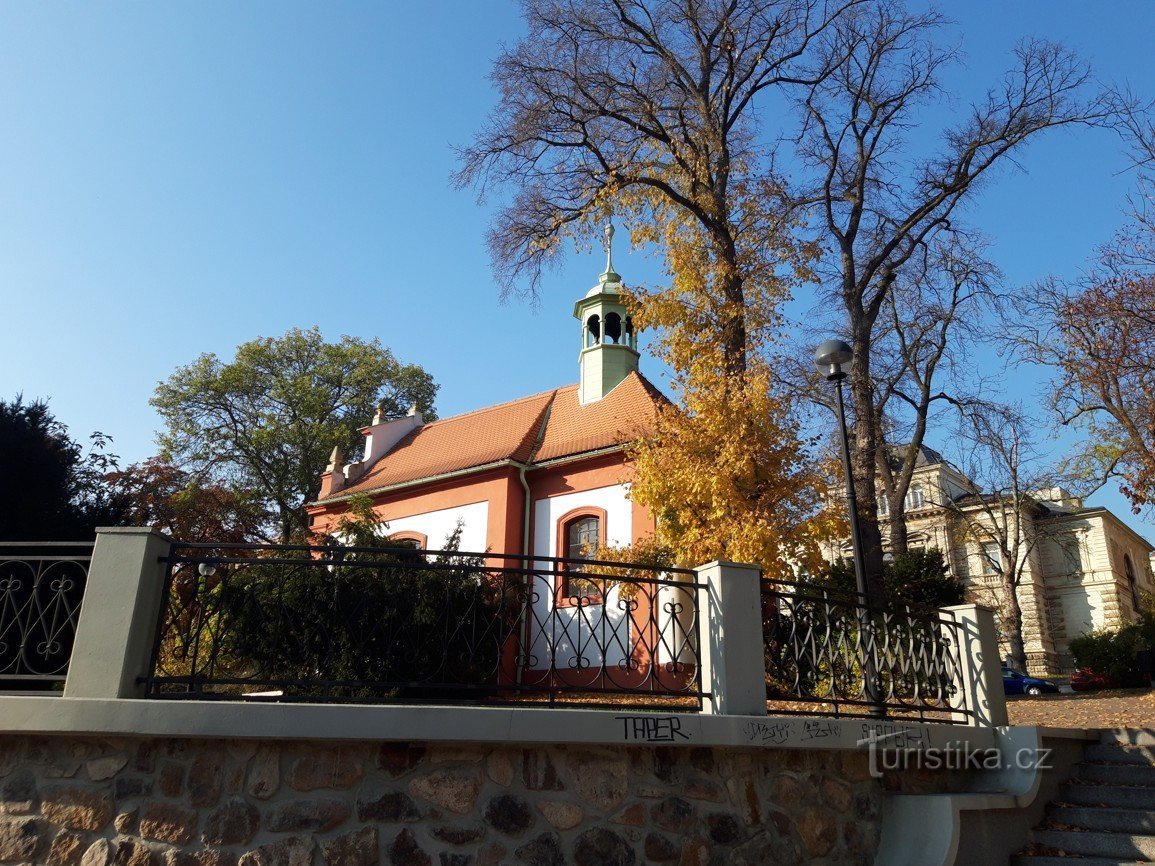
x: 1106, y: 813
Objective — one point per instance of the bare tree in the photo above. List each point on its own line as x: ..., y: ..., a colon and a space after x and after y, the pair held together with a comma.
x: 876, y: 206
x: 648, y: 107
x: 929, y: 319
x: 1004, y: 520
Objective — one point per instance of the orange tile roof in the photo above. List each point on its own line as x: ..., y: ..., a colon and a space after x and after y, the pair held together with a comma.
x: 624, y: 413
x: 514, y: 431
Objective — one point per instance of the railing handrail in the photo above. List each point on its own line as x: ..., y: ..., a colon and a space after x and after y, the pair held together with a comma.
x: 322, y: 548
x: 849, y: 597
x: 530, y: 644
x: 47, y: 543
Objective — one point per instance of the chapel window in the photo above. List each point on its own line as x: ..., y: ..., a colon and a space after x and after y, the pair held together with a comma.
x: 581, y: 537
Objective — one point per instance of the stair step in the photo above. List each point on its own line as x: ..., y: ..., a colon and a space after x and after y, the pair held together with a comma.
x: 1116, y: 774
x: 1091, y: 844
x: 1137, y: 822
x: 1116, y: 753
x: 1129, y: 736
x: 1116, y: 796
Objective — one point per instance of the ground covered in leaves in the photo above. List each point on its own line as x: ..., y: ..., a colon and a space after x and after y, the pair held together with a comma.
x: 1113, y: 708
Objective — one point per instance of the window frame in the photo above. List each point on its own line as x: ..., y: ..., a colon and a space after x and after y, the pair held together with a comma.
x: 913, y: 493
x: 1132, y: 582
x: 562, y: 597
x: 991, y: 567
x: 410, y: 535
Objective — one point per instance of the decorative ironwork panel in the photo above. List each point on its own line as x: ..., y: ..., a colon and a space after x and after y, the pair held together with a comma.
x: 382, y: 624
x: 41, y: 589
x: 828, y: 654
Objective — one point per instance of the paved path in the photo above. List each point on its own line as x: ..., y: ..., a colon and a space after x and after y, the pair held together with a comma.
x: 1117, y: 708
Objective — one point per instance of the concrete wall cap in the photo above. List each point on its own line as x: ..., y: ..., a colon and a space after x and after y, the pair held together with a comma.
x: 133, y: 530
x: 723, y: 563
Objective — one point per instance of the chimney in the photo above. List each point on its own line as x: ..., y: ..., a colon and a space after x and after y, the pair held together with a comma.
x: 334, y: 478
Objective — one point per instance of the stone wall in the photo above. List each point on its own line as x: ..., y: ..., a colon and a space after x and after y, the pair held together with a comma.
x: 71, y: 801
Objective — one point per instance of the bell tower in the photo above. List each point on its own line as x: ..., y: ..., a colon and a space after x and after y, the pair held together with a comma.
x: 609, y: 347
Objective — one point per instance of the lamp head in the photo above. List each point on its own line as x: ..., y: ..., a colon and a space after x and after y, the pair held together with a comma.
x: 830, y: 358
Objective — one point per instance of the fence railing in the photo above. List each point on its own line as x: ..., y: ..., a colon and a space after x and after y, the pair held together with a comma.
x: 309, y: 623
x: 824, y: 647
x: 41, y: 590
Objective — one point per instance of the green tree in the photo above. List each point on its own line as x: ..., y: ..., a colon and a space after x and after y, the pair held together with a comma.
x: 50, y: 489
x: 267, y: 421
x: 918, y: 578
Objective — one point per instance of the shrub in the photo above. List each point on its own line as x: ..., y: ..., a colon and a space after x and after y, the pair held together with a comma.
x: 357, y: 624
x: 1112, y: 652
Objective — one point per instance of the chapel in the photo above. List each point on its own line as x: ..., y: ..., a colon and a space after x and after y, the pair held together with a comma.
x: 545, y: 475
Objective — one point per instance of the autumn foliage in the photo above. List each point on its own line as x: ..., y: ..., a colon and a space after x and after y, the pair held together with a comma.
x: 726, y: 472
x: 1105, y: 352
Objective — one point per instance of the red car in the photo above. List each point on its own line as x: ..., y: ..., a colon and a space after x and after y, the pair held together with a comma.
x: 1086, y: 680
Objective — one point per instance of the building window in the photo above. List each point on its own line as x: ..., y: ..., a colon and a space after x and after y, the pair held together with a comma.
x: 914, y: 498
x: 1071, y: 554
x: 580, y: 534
x: 416, y: 540
x: 1129, y: 570
x: 883, y: 506
x: 992, y: 559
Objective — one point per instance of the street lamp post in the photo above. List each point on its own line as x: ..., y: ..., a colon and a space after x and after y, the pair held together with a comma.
x: 830, y: 357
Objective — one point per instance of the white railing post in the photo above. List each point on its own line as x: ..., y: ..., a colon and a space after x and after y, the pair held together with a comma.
x: 117, y: 626
x: 981, y: 674
x: 732, y: 653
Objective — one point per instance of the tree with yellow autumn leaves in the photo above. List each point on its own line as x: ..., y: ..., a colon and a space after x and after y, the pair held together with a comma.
x: 648, y: 110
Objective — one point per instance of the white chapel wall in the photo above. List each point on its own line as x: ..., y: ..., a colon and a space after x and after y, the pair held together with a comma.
x: 570, y: 634
x: 437, y: 526
x: 619, y: 516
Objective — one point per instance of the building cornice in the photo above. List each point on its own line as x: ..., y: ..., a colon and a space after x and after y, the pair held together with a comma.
x: 461, y: 473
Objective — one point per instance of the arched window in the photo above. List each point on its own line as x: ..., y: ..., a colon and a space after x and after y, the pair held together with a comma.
x: 413, y: 540
x: 580, y: 533
x: 593, y: 330
x: 1129, y: 571
x: 417, y: 540
x: 614, y: 327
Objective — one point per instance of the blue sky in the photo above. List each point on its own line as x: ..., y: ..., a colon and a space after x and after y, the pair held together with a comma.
x: 180, y: 178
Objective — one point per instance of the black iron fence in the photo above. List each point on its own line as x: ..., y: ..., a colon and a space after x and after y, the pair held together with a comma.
x: 828, y: 654
x: 41, y: 589
x: 308, y: 623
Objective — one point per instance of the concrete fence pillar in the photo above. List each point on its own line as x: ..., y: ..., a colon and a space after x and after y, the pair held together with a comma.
x: 732, y: 655
x: 981, y: 670
x: 117, y: 625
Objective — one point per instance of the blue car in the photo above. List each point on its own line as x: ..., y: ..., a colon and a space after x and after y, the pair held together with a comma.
x: 1015, y: 683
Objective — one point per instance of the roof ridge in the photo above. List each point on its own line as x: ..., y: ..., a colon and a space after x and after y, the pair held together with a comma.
x: 550, y: 392
x: 537, y: 431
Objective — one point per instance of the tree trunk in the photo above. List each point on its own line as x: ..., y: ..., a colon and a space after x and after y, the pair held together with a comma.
x: 863, y: 465
x: 1012, y: 625
x: 733, y: 290
x: 896, y: 520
